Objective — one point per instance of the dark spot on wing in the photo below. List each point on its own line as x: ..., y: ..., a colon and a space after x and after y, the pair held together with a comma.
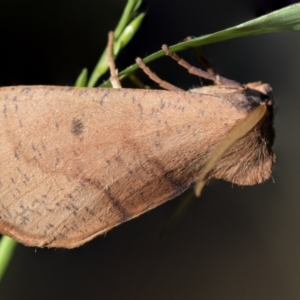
x: 5, y: 111
x: 26, y: 90
x: 101, y: 101
x: 77, y: 127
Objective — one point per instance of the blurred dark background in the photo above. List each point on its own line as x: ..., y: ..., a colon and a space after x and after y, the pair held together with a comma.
x: 233, y: 243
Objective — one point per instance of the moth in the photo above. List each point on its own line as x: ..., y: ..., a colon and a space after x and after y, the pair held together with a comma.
x: 76, y: 162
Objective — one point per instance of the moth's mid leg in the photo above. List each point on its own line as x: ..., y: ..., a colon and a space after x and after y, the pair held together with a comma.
x: 202, y: 60
x: 217, y: 79
x: 115, y: 82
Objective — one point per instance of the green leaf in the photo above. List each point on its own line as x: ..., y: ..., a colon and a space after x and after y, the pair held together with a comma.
x: 82, y: 78
x: 131, y: 8
x: 124, y: 32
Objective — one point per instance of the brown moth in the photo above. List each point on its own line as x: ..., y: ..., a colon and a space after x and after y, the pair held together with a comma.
x: 75, y: 162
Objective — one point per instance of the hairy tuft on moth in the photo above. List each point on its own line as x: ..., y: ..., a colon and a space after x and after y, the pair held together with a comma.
x: 76, y: 162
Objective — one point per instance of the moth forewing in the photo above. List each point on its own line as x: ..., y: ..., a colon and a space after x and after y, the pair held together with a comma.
x: 89, y: 159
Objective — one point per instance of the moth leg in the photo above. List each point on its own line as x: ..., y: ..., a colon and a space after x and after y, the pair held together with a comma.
x: 115, y: 82
x: 164, y: 84
x: 202, y: 60
x: 236, y: 133
x: 217, y: 79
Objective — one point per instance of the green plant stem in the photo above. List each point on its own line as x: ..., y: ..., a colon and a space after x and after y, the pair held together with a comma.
x: 285, y: 19
x: 7, y: 246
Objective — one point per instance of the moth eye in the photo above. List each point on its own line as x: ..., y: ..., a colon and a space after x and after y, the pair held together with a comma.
x: 262, y: 88
x: 256, y: 97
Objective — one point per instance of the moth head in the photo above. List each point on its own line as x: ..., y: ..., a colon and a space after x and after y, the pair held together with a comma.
x: 250, y: 159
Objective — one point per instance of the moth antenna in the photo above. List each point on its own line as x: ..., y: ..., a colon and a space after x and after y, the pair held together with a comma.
x: 115, y: 82
x: 217, y: 79
x: 162, y: 83
x: 236, y: 133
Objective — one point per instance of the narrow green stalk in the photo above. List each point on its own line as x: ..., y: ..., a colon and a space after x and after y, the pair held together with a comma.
x: 82, y: 78
x: 7, y: 246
